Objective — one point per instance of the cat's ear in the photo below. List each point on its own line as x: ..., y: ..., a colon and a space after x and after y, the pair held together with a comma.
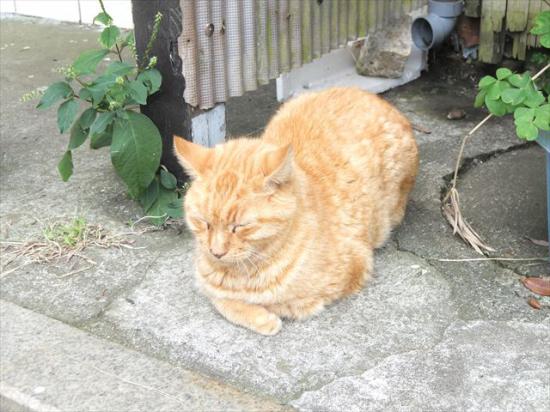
x: 277, y: 165
x: 195, y: 159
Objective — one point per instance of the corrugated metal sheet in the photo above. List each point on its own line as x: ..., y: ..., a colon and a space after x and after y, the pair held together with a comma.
x: 229, y: 47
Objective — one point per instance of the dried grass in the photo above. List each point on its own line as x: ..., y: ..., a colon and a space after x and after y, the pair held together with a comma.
x: 62, y: 243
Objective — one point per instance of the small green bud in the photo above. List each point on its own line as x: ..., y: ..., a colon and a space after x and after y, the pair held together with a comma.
x: 152, y: 62
x: 119, y: 80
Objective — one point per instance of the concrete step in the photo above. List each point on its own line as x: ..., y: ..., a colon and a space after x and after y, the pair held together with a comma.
x: 50, y: 366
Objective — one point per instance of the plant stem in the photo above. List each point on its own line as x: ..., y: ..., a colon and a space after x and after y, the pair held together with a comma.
x: 102, y: 6
x: 118, y: 52
x: 81, y: 82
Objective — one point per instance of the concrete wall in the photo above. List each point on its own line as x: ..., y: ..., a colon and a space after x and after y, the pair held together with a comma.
x: 79, y: 11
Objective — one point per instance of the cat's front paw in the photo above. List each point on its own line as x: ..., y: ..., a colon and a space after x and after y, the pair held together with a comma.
x: 267, y: 324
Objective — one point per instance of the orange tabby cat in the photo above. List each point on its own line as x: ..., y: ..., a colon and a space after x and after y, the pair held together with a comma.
x: 287, y: 223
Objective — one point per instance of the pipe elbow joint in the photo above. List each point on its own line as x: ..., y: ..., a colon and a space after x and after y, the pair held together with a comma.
x: 431, y: 30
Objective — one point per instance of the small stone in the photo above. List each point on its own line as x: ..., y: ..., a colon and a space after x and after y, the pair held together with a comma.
x: 26, y: 48
x: 456, y: 114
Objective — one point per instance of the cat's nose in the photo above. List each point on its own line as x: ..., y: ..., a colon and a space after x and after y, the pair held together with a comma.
x: 217, y: 254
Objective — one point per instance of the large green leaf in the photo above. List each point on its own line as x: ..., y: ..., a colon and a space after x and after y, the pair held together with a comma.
x: 494, y: 91
x: 513, y: 96
x: 101, y: 122
x: 103, y: 18
x: 545, y: 40
x: 98, y: 90
x: 486, y: 81
x: 542, y: 23
x: 138, y: 92
x: 147, y: 198
x: 526, y: 130
x: 152, y: 79
x: 542, y: 123
x: 65, y: 114
x: 480, y: 98
x: 503, y: 73
x: 109, y: 36
x: 496, y: 107
x: 168, y: 204
x: 97, y: 141
x: 519, y: 80
x: 167, y: 179
x: 87, y: 62
x: 65, y: 166
x: 54, y: 93
x: 119, y: 68
x: 534, y: 98
x: 78, y: 136
x: 524, y: 114
x: 544, y: 110
x: 87, y: 118
x: 135, y: 151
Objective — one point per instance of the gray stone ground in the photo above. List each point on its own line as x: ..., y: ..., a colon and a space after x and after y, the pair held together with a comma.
x: 423, y: 335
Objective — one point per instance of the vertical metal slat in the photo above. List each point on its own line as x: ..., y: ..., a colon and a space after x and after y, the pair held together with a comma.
x: 262, y: 42
x: 218, y: 46
x: 284, y: 54
x: 325, y: 9
x: 204, y: 30
x: 234, y: 58
x: 249, y: 44
x: 273, y: 38
x: 187, y: 47
x: 307, y: 33
x: 342, y: 22
x: 317, y: 30
x: 295, y: 36
x: 353, y: 19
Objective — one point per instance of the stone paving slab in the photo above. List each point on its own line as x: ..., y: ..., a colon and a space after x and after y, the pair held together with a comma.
x: 49, y: 366
x: 77, y: 298
x: 477, y: 366
x: 406, y: 306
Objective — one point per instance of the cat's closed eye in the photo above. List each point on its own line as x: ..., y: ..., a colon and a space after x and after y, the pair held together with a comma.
x: 235, y: 227
x: 200, y: 223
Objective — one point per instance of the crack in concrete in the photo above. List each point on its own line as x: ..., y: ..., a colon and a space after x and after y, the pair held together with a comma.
x: 431, y: 348
x: 379, y: 362
x: 84, y: 325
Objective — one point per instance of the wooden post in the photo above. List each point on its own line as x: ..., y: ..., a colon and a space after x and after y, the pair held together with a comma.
x: 492, y: 31
x: 166, y: 108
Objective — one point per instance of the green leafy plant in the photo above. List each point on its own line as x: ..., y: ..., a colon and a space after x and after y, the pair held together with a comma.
x: 521, y: 94
x: 66, y: 234
x: 111, y: 94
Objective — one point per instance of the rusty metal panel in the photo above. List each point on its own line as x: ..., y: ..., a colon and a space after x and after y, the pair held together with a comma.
x: 229, y: 47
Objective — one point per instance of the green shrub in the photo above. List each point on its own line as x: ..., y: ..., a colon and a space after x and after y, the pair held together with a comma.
x: 111, y: 95
x: 521, y: 94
